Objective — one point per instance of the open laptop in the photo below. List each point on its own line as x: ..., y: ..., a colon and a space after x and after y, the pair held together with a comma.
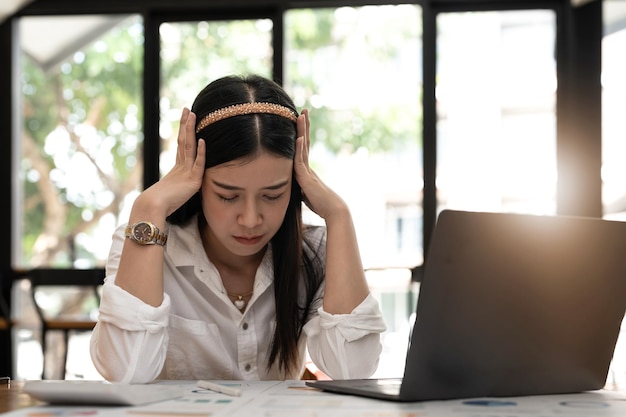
x: 510, y: 305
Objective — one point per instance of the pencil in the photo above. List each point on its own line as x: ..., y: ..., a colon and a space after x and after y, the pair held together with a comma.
x: 222, y: 389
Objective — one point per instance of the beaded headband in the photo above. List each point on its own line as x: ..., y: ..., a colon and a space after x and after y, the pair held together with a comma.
x: 245, y: 108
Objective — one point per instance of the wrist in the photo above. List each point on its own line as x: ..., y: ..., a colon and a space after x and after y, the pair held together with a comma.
x: 340, y: 214
x: 148, y: 209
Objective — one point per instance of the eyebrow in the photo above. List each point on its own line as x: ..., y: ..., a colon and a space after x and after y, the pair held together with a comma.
x: 235, y: 188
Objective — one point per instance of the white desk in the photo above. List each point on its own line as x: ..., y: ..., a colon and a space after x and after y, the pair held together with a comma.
x: 294, y: 399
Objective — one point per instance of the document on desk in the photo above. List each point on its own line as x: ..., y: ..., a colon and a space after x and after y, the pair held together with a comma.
x: 294, y: 398
x: 205, y: 402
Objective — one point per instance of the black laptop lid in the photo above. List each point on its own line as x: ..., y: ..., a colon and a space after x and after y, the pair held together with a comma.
x: 517, y: 304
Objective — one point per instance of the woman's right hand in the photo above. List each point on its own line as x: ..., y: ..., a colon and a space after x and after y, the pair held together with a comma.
x: 185, y: 178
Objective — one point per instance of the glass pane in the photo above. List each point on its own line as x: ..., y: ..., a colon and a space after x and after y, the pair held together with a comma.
x: 196, y: 53
x: 613, y: 111
x: 358, y: 72
x: 496, y: 128
x: 81, y: 132
x: 614, y: 145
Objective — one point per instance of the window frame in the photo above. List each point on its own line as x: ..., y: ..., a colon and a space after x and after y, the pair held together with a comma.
x: 578, y: 45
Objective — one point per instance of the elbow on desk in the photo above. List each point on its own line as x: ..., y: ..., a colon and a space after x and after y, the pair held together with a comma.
x: 119, y: 362
x: 360, y: 360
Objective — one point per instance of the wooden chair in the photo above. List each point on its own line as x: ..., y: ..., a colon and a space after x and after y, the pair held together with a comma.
x: 82, y: 286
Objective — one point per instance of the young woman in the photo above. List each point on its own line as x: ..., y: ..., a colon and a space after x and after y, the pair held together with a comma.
x: 216, y: 277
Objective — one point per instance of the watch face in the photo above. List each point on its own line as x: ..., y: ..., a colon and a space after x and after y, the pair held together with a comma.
x: 143, y: 232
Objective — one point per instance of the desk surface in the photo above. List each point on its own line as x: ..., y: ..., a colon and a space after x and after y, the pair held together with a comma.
x: 287, y: 398
x: 12, y: 397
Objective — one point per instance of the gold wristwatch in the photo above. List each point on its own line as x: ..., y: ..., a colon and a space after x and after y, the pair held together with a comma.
x: 145, y: 233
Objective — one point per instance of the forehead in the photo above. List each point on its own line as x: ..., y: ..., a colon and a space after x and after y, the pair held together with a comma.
x: 260, y: 171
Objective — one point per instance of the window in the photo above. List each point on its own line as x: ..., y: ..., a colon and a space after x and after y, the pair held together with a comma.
x: 196, y: 53
x: 613, y: 111
x: 81, y: 135
x: 80, y: 160
x: 357, y: 69
x: 496, y: 129
x: 614, y: 142
x: 358, y: 72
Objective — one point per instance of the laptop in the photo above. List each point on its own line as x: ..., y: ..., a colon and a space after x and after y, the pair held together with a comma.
x: 511, y: 305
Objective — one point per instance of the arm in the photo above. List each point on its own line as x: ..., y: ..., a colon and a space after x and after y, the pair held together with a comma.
x: 344, y: 337
x: 346, y: 346
x: 140, y: 269
x: 346, y: 286
x: 129, y: 342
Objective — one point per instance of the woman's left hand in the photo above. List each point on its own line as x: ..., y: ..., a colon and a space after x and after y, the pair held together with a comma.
x: 317, y: 195
x: 345, y: 284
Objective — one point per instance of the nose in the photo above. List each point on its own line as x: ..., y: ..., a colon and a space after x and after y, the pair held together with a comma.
x: 250, y: 216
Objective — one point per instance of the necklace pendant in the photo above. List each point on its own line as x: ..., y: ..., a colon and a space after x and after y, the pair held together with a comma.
x: 240, y: 303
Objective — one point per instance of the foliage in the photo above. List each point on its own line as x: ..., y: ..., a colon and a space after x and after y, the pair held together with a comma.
x: 82, y: 134
x: 361, y: 48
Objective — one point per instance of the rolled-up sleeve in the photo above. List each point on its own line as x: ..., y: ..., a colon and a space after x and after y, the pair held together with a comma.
x: 129, y: 343
x: 347, y: 345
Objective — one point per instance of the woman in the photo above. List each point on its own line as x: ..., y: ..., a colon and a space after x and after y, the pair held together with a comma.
x: 215, y: 277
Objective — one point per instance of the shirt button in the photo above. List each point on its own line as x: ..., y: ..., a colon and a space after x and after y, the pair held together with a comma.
x: 247, y: 367
x: 245, y: 326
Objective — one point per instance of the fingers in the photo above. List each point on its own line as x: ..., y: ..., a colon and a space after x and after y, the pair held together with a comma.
x: 303, y: 145
x: 194, y: 152
x: 307, y: 129
x: 186, y: 141
x: 185, y: 177
x: 198, y: 166
x: 190, y: 138
x: 180, y: 140
x: 307, y: 136
x: 299, y: 158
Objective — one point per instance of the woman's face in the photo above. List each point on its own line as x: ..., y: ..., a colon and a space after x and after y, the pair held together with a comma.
x: 245, y: 201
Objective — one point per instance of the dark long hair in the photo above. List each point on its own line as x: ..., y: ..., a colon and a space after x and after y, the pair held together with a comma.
x: 246, y: 136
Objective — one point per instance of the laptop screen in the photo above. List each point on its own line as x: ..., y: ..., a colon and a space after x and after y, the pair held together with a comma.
x: 516, y: 304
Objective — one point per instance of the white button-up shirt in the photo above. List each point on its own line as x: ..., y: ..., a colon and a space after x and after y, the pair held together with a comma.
x: 198, y: 333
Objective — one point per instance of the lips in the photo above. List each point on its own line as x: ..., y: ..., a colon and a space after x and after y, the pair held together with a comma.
x: 248, y: 240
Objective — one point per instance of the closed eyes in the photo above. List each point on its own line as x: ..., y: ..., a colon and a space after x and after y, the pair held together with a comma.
x: 234, y: 198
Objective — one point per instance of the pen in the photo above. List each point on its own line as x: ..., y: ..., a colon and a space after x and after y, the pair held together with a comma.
x: 233, y: 392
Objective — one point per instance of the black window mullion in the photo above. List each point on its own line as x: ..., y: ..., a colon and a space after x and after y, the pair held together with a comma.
x: 278, y: 45
x: 9, y: 85
x: 429, y: 70
x: 151, y: 84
